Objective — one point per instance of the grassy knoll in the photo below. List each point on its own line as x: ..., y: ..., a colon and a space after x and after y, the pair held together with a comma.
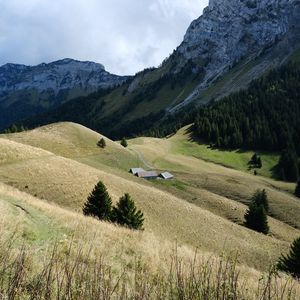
x: 74, y: 141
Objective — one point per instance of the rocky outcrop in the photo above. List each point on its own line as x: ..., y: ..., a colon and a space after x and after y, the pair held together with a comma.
x: 229, y: 31
x: 56, y: 76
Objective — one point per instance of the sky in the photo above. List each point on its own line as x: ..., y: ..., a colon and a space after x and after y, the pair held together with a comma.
x: 126, y: 36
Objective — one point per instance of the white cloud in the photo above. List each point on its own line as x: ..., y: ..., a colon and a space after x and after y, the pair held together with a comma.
x: 124, y: 35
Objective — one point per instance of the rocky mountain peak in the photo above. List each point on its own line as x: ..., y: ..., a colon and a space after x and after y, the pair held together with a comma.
x: 229, y: 31
x: 56, y: 76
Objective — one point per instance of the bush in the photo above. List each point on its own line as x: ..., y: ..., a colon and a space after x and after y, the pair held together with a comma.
x: 126, y: 214
x: 101, y: 143
x: 99, y: 203
x: 291, y: 262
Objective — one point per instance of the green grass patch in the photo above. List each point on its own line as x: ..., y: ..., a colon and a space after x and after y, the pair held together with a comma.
x: 236, y: 159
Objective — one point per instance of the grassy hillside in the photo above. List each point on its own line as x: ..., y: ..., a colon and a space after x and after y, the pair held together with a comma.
x: 74, y: 141
x: 194, y: 171
x: 59, y: 165
x: 67, y: 182
x: 85, y: 258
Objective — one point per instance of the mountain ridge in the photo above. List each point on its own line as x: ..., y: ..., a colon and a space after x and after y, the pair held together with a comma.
x: 38, y: 88
x: 223, y: 51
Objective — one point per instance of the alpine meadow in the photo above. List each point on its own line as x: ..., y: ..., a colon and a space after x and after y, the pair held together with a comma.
x: 179, y: 182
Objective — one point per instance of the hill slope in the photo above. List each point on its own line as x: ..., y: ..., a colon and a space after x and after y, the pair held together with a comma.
x: 103, y: 258
x: 68, y: 182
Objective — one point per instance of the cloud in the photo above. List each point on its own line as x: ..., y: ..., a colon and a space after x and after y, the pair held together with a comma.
x: 124, y: 35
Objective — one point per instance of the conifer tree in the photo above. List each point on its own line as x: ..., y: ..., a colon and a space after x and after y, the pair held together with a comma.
x: 291, y: 262
x: 101, y: 143
x: 297, y: 190
x: 260, y: 197
x: 124, y: 142
x: 99, y: 203
x: 256, y: 218
x: 126, y: 214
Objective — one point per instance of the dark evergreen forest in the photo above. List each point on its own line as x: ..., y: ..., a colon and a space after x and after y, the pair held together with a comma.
x: 266, y: 116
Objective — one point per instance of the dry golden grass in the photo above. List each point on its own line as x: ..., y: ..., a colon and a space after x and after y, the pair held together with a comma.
x: 41, y: 225
x: 74, y: 141
x: 67, y: 183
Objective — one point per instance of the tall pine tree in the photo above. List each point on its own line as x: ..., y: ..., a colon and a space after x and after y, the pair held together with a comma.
x: 126, y: 214
x: 260, y: 198
x: 291, y: 262
x: 256, y: 217
x: 99, y: 203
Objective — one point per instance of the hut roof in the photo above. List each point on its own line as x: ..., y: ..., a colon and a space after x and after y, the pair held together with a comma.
x: 166, y: 175
x: 134, y: 171
x: 147, y: 174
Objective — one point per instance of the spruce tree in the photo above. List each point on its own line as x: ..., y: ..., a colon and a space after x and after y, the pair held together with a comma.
x: 126, y: 214
x: 256, y: 218
x: 124, y: 142
x: 99, y: 203
x: 260, y: 197
x: 297, y: 190
x: 291, y: 262
x: 101, y: 143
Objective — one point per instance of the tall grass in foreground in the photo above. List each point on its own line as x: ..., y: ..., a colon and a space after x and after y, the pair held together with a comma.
x: 75, y: 272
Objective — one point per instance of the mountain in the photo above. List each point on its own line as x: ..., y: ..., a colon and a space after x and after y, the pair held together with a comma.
x: 26, y: 90
x: 231, y: 44
x: 232, y: 31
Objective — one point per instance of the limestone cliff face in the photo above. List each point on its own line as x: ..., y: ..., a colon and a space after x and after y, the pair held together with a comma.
x: 232, y: 30
x: 56, y: 76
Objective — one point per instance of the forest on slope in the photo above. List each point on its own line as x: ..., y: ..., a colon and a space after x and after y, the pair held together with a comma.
x: 263, y: 117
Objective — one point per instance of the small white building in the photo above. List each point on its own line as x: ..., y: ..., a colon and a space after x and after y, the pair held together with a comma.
x: 166, y: 176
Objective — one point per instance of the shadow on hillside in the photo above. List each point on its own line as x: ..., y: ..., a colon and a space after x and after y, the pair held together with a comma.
x: 275, y: 171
